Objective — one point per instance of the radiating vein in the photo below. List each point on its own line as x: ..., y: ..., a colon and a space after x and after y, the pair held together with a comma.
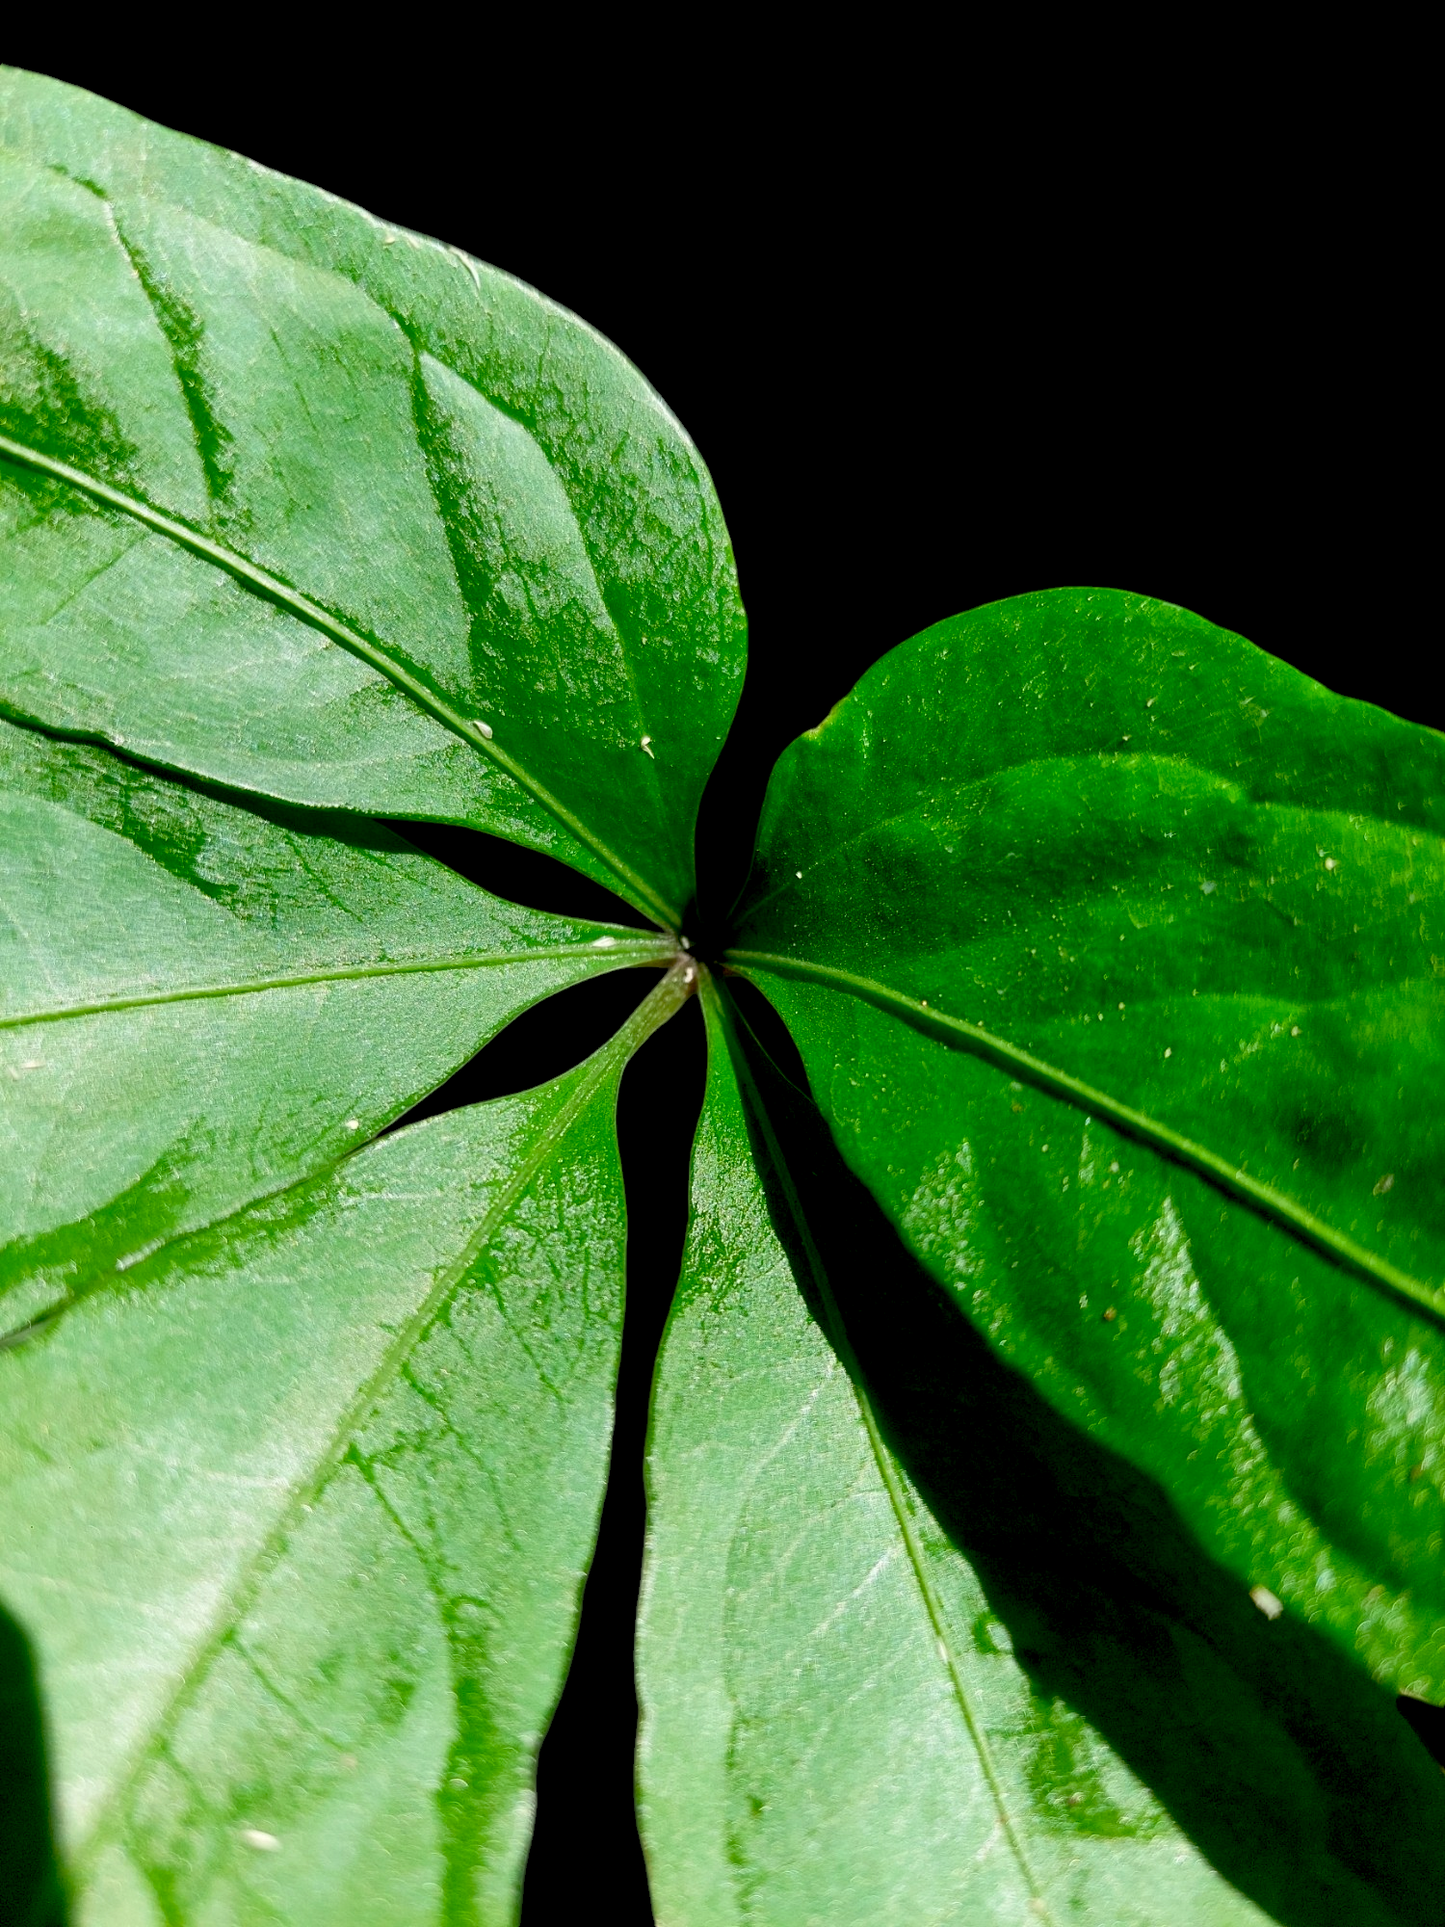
x: 667, y: 998
x: 261, y: 582
x: 887, y: 1471
x: 1022, y: 1064
x: 645, y: 949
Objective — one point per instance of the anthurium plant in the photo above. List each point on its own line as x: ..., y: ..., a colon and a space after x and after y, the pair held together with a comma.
x: 1069, y: 1167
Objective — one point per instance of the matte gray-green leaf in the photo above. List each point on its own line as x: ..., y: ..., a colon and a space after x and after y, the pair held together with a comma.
x: 1110, y: 946
x: 304, y: 503
x: 202, y: 1003
x: 298, y: 1511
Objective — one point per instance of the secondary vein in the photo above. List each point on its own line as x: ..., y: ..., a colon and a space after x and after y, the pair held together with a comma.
x: 1022, y: 1064
x: 261, y: 582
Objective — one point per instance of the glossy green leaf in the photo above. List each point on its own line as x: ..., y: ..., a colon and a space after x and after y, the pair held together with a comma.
x: 201, y: 1003
x: 886, y: 1674
x: 1110, y: 947
x: 1046, y: 1466
x: 300, y: 502
x: 299, y: 1509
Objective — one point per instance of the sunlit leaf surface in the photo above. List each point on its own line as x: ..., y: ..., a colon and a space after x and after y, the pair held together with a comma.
x: 1110, y: 946
x: 296, y: 500
x: 202, y: 1003
x: 302, y: 1505
x: 1048, y: 1439
x: 835, y: 1727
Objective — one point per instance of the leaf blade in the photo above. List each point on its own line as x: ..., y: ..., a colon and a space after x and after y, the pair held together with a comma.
x: 418, y: 453
x: 196, y: 1458
x: 204, y: 1004
x: 796, y: 1760
x: 1059, y: 905
x: 956, y: 1033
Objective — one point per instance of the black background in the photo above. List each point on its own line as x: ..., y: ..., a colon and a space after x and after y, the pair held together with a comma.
x: 943, y: 333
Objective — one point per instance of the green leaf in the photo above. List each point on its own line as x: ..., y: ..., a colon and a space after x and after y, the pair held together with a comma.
x: 1109, y: 946
x: 914, y: 1648
x: 299, y: 1511
x: 1046, y: 1465
x: 300, y: 502
x: 203, y: 1003
x: 835, y: 1727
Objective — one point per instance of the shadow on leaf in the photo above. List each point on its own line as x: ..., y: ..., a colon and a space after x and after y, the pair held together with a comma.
x: 1288, y: 1767
x: 30, y: 1887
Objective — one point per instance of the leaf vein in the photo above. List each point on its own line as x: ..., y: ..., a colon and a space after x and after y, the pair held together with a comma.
x: 274, y: 588
x: 1022, y: 1064
x: 645, y: 950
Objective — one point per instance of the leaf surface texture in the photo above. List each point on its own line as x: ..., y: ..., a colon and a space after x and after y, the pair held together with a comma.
x: 204, y: 1003
x: 834, y: 1726
x: 1047, y: 1445
x: 304, y: 1504
x: 300, y: 502
x: 1081, y: 861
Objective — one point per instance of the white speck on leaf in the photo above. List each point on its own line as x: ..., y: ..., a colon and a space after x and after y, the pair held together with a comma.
x: 1266, y: 1601
x: 486, y: 729
x: 262, y: 1842
x: 353, y: 1124
x: 603, y: 943
x: 647, y: 745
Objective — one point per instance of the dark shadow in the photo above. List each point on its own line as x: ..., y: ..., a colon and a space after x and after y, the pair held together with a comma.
x: 31, y: 1894
x: 586, y: 1859
x: 1427, y: 1722
x: 507, y: 870
x: 541, y: 1044
x: 1287, y: 1765
x: 522, y: 876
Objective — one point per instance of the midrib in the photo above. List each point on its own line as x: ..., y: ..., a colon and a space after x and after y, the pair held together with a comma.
x: 262, y: 582
x: 348, y: 973
x: 1022, y: 1064
x: 888, y: 1475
